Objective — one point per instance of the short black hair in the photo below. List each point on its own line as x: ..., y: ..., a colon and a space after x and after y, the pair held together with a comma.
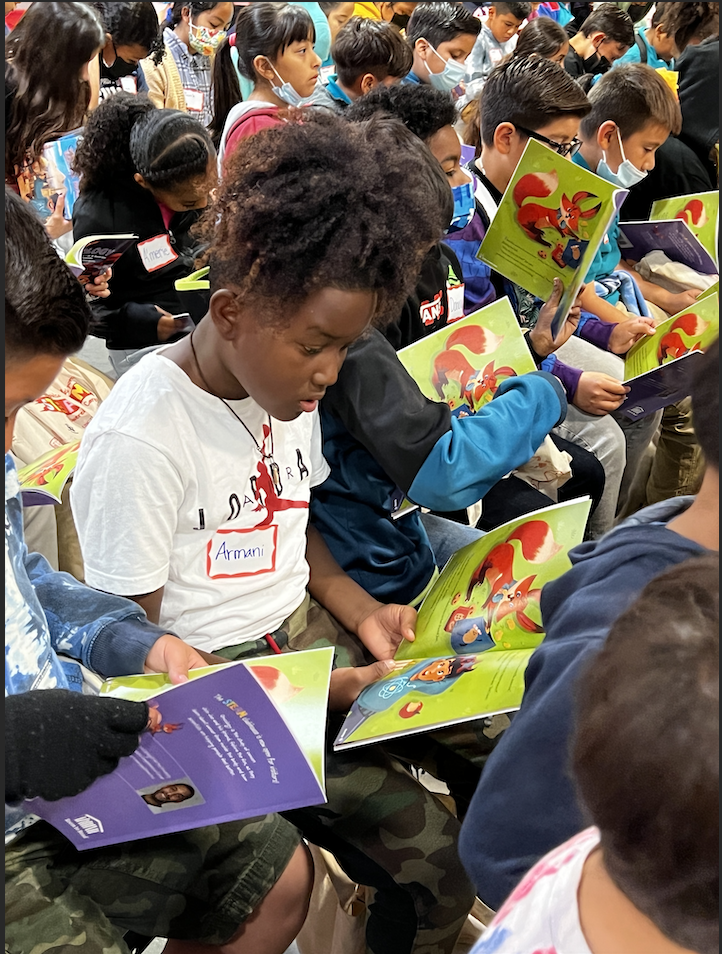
x: 705, y: 404
x: 529, y: 91
x: 519, y: 10
x: 319, y: 202
x: 421, y: 108
x: 612, y: 21
x: 45, y: 308
x: 175, y: 13
x: 646, y: 752
x: 371, y: 46
x: 440, y: 22
x: 631, y: 95
x: 131, y: 24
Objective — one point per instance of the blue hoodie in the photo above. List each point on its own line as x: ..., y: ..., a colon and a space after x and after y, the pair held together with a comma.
x: 525, y: 803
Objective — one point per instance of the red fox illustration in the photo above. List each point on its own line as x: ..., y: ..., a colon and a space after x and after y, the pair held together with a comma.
x: 693, y: 213
x: 534, y: 218
x: 672, y: 345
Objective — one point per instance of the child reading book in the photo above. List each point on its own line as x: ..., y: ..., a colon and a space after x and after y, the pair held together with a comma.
x: 228, y: 427
x: 58, y: 740
x: 641, y: 880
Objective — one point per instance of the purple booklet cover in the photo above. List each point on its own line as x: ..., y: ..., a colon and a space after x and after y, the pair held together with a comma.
x: 671, y: 236
x: 222, y: 752
x: 657, y: 388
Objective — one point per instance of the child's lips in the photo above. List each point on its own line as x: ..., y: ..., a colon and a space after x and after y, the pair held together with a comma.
x: 308, y: 406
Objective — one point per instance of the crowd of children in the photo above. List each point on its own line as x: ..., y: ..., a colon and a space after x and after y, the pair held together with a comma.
x: 307, y: 187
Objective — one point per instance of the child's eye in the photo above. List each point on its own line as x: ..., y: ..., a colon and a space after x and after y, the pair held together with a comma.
x: 312, y: 350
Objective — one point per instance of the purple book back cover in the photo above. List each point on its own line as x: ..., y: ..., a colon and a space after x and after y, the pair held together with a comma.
x: 672, y: 236
x: 658, y: 388
x: 223, y: 753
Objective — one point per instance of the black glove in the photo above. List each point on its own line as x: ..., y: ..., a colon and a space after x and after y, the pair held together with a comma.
x: 57, y: 741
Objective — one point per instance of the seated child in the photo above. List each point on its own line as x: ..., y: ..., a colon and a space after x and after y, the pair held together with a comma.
x: 366, y: 53
x: 149, y: 172
x: 496, y: 40
x: 646, y: 762
x: 604, y: 37
x: 59, y: 740
x: 534, y: 97
x: 633, y: 113
x: 442, y: 35
x: 314, y: 239
x: 505, y: 833
x: 273, y: 47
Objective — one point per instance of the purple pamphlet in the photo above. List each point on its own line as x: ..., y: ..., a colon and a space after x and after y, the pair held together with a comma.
x: 220, y: 751
x: 659, y: 387
x: 671, y: 236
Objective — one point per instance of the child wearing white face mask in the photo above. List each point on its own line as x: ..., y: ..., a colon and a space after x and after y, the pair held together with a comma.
x: 272, y: 47
x: 442, y: 35
x: 182, y: 80
x: 633, y: 113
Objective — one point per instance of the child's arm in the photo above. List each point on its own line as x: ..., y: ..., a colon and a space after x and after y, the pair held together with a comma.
x: 381, y: 628
x: 598, y: 306
x: 659, y: 296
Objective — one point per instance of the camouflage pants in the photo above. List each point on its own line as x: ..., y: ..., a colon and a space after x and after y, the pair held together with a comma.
x: 196, y: 885
x: 385, y: 829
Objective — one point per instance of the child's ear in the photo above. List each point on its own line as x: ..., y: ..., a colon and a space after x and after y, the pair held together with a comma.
x: 262, y: 66
x: 140, y: 180
x: 607, y: 134
x: 367, y: 82
x: 422, y: 48
x: 503, y: 136
x: 225, y: 311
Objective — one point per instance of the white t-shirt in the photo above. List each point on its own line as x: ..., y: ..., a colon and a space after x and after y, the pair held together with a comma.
x: 541, y: 916
x: 170, y: 490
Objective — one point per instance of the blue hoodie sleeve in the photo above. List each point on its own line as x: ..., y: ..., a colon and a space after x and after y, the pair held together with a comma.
x: 478, y: 451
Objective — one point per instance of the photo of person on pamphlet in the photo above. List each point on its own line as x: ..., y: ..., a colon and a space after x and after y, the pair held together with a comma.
x: 171, y: 795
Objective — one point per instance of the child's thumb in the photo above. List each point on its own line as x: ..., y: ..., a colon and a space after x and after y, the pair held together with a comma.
x: 59, y: 205
x: 368, y: 674
x: 557, y: 289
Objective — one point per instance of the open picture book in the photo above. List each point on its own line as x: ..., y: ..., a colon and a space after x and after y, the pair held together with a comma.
x: 236, y: 740
x: 672, y: 238
x: 658, y: 369
x: 550, y: 223
x: 701, y: 213
x: 43, y: 480
x: 475, y: 633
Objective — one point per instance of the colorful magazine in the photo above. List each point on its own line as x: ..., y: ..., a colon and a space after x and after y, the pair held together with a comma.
x: 550, y: 223
x: 701, y: 213
x: 476, y: 631
x: 42, y: 181
x: 235, y: 741
x: 672, y: 236
x: 464, y: 363
x: 658, y: 369
x: 43, y: 481
x: 94, y: 254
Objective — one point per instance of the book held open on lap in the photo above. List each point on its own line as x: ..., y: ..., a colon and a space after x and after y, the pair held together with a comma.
x: 475, y: 633
x: 552, y: 219
x: 235, y: 741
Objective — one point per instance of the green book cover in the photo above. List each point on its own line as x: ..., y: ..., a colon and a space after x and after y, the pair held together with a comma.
x: 475, y: 633
x: 699, y: 210
x: 464, y: 363
x: 551, y: 220
x: 42, y: 481
x: 658, y: 369
x: 691, y: 330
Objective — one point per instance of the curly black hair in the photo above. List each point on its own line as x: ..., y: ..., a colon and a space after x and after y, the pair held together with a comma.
x: 318, y: 202
x: 131, y: 24
x: 421, y: 108
x: 103, y: 154
x: 45, y: 309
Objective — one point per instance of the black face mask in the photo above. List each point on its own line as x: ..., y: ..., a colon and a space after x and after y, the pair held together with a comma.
x: 400, y: 20
x: 119, y: 68
x: 596, y: 64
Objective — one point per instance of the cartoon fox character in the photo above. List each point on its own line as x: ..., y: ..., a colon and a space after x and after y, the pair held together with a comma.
x: 534, y: 218
x: 672, y: 344
x: 694, y: 213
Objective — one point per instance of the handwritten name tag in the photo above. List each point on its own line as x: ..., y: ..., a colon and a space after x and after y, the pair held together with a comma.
x: 237, y: 553
x: 455, y: 299
x: 156, y: 252
x: 195, y: 99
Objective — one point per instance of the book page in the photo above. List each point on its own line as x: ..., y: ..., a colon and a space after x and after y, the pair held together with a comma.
x: 699, y: 210
x: 487, y: 596
x: 42, y: 481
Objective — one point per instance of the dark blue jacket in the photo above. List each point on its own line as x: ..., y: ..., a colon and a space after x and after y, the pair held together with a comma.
x: 525, y: 803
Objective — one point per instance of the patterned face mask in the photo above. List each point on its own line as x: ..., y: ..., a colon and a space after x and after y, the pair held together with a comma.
x: 204, y: 41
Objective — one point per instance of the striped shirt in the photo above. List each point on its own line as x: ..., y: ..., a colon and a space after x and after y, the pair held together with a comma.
x: 195, y: 75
